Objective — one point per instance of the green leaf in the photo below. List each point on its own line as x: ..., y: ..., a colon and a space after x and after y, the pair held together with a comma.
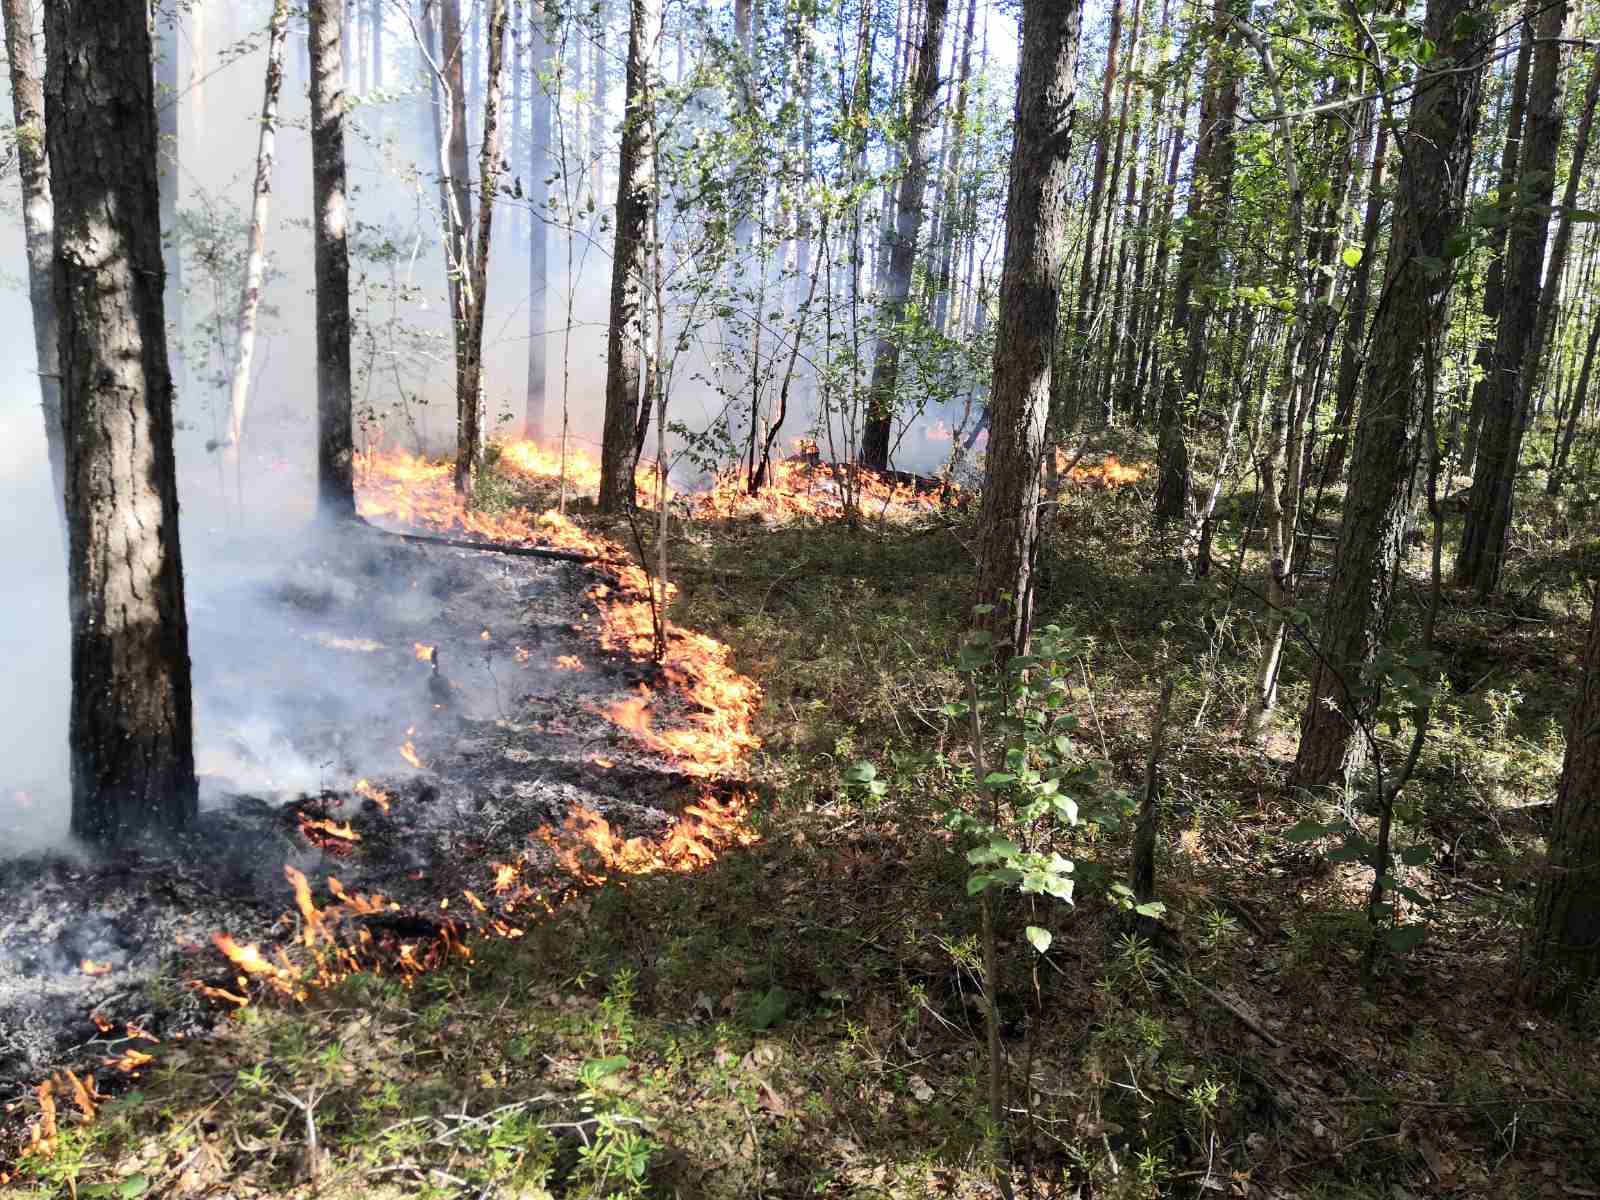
x: 1352, y: 257
x: 133, y: 1187
x: 1039, y: 938
x: 861, y: 773
x: 769, y: 1009
x: 997, y: 778
x: 1154, y: 909
x: 978, y: 882
x: 596, y: 1069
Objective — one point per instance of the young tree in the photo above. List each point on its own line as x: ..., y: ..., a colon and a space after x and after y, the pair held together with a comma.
x: 336, y: 498
x: 533, y: 427
x: 167, y: 89
x: 1566, y: 935
x: 469, y: 426
x: 131, y: 730
x: 1037, y: 214
x: 1435, y: 152
x: 255, y: 265
x: 630, y: 261
x: 38, y: 227
x: 875, y: 434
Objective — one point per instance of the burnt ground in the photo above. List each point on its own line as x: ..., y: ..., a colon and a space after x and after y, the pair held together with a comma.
x: 307, y: 680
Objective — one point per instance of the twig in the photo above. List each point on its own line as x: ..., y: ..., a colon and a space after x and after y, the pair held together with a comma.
x: 1224, y: 1003
x: 489, y: 547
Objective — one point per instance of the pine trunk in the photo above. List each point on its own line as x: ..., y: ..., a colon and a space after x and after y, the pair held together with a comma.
x: 1510, y: 403
x: 1406, y: 338
x: 1037, y: 214
x: 876, y: 433
x: 131, y: 729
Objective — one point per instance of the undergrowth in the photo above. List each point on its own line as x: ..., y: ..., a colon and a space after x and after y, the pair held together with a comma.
x: 804, y: 1017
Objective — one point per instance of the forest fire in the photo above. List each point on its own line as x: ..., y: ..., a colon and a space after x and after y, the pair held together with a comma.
x: 1110, y: 473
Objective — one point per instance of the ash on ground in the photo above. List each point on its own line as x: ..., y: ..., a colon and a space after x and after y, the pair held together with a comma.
x: 312, y: 675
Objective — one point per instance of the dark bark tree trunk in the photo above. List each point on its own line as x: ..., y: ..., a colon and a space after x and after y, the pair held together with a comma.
x: 1068, y: 390
x: 538, y: 235
x: 1198, y: 263
x: 1436, y: 153
x: 38, y: 229
x: 876, y: 432
x: 1037, y: 212
x: 131, y: 730
x: 1563, y: 449
x: 336, y: 499
x: 1529, y: 315
x: 1566, y: 935
x: 630, y: 261
x: 1506, y: 190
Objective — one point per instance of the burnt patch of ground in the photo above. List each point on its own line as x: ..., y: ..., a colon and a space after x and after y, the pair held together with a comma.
x: 308, y: 683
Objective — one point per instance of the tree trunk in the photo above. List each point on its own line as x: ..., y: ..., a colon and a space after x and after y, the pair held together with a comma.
x: 469, y: 409
x: 131, y: 731
x: 597, y: 113
x: 1037, y: 212
x: 1198, y: 263
x: 875, y: 435
x: 538, y: 235
x: 1563, y: 449
x: 38, y: 229
x: 1566, y: 935
x: 1506, y: 190
x: 255, y: 263
x: 1068, y: 391
x: 1508, y: 405
x: 1436, y: 153
x: 952, y: 186
x: 1355, y: 326
x: 336, y: 499
x: 630, y: 261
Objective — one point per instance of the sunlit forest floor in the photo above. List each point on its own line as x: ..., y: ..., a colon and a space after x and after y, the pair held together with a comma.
x: 802, y: 1017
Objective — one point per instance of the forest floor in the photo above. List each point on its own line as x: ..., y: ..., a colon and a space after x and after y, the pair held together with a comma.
x: 801, y: 1018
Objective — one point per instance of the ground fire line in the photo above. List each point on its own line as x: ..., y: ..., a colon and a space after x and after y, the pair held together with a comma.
x: 691, y: 710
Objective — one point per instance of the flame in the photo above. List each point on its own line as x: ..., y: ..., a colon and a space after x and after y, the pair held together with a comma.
x: 423, y: 651
x: 1113, y: 472
x: 569, y: 662
x: 342, y: 832
x: 408, y: 751
x: 100, y: 1022
x: 90, y: 967
x: 130, y: 1061
x: 505, y: 874
x: 379, y: 797
x: 588, y: 849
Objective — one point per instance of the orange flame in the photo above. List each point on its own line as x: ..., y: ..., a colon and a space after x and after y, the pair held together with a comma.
x: 379, y: 797
x: 423, y: 651
x: 90, y: 967
x: 408, y: 751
